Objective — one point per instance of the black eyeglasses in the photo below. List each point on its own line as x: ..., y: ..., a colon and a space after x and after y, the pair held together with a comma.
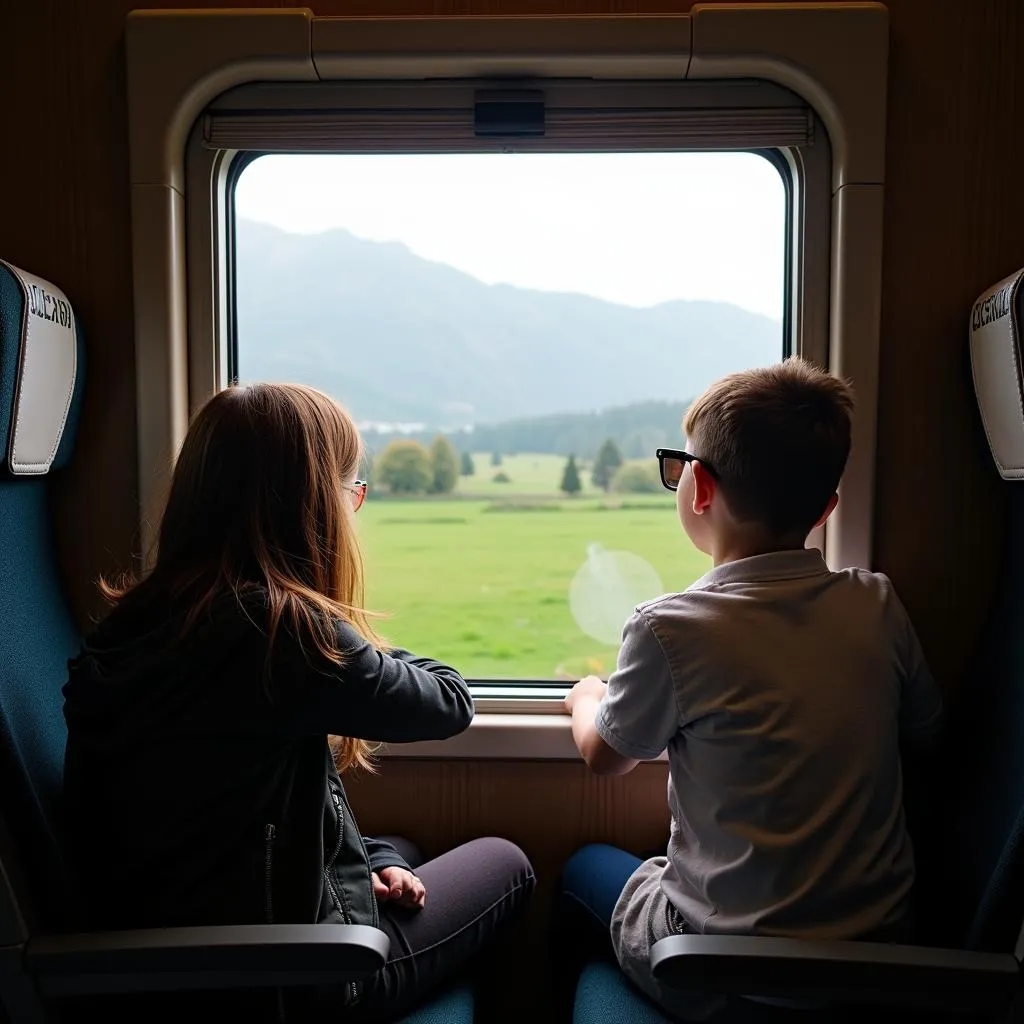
x: 671, y: 462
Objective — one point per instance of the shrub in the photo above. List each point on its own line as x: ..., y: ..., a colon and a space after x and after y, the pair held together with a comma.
x: 637, y: 477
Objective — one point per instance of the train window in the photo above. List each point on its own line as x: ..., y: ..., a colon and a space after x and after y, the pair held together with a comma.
x: 515, y: 333
x: 248, y: 93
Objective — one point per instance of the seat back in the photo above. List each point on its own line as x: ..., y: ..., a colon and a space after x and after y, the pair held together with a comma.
x: 41, y: 364
x: 980, y: 805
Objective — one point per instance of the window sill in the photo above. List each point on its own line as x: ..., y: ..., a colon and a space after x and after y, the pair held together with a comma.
x: 500, y: 737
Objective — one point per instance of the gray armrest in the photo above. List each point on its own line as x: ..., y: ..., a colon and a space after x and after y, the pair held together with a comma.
x: 179, y: 959
x: 836, y: 971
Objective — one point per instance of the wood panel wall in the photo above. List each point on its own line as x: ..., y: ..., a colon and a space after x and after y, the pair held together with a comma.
x: 548, y: 809
x: 954, y: 224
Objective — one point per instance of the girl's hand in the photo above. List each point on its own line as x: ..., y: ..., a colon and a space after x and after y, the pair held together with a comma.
x: 590, y: 686
x: 399, y: 886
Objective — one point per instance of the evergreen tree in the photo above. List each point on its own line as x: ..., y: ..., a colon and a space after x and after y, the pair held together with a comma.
x: 571, y: 478
x: 444, y: 466
x: 468, y: 469
x: 496, y: 459
x: 607, y: 462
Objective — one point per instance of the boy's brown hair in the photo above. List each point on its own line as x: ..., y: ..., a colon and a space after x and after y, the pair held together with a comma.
x: 778, y: 439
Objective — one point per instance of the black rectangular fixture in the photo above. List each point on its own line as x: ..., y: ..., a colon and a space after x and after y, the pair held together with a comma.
x: 509, y: 114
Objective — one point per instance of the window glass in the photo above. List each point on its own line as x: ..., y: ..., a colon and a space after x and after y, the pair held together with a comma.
x: 515, y: 335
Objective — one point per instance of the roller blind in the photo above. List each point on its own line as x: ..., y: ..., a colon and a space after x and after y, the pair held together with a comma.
x: 281, y: 131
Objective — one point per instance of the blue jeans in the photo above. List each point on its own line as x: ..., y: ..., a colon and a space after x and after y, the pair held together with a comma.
x: 594, y: 877
x: 592, y: 881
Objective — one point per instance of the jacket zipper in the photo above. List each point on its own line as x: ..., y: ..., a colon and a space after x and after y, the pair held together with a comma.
x: 366, y: 860
x: 346, y: 916
x: 269, y: 833
x: 329, y: 866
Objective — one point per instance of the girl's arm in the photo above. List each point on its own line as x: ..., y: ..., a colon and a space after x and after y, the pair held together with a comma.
x: 381, y: 854
x: 391, y: 698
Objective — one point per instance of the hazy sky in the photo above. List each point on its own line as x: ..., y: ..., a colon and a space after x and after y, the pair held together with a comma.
x: 634, y: 228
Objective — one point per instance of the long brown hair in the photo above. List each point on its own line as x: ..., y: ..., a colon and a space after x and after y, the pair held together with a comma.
x: 259, y: 497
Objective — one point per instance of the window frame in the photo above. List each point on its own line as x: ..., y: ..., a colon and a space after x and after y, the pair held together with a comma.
x: 804, y: 171
x: 181, y: 61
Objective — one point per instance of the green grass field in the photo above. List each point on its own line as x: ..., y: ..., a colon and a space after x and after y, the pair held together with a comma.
x: 483, y: 582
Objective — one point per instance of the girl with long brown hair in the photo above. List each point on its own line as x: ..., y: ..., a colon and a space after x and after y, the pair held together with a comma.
x: 210, y: 714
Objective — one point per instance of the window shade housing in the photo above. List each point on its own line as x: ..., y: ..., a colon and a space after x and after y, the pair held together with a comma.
x: 351, y: 117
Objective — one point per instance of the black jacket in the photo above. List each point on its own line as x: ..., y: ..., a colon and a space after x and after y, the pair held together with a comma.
x: 199, y: 791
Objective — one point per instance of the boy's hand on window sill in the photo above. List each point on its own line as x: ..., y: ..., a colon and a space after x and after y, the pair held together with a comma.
x: 589, y: 686
x: 583, y: 702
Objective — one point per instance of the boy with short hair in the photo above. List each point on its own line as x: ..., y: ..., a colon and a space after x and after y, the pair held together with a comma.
x: 781, y: 691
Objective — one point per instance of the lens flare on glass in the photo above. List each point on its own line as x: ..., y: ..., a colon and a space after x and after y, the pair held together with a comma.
x: 606, y: 589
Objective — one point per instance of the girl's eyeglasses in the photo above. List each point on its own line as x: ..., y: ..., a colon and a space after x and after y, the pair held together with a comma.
x: 671, y: 462
x: 358, y: 489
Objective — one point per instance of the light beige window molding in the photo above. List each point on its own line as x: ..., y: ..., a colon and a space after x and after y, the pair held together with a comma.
x: 502, y: 737
x: 834, y: 56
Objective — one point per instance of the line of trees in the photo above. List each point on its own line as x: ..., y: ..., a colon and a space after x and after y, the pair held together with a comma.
x: 613, y: 473
x: 407, y: 467
x: 637, y: 430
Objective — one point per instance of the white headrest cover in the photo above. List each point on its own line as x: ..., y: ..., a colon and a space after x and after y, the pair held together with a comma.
x: 47, y: 365
x: 996, y: 365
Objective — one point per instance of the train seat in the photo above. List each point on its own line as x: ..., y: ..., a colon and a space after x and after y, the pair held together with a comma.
x: 49, y: 968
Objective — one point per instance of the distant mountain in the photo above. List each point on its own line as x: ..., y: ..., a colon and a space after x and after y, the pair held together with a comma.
x: 401, y: 339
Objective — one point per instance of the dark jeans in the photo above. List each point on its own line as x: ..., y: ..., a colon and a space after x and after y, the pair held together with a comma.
x: 592, y: 881
x: 471, y: 892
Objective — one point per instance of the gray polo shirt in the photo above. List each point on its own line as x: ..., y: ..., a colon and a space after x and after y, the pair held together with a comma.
x: 780, y: 690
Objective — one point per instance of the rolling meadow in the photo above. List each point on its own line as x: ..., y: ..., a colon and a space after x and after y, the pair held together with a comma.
x: 480, y: 578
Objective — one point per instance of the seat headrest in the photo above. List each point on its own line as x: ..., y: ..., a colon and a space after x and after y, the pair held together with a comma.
x: 41, y: 363
x: 997, y: 364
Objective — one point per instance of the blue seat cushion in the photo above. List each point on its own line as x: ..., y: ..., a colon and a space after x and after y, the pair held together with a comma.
x: 37, y: 632
x: 454, y: 1006
x: 603, y: 996
x: 37, y: 636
